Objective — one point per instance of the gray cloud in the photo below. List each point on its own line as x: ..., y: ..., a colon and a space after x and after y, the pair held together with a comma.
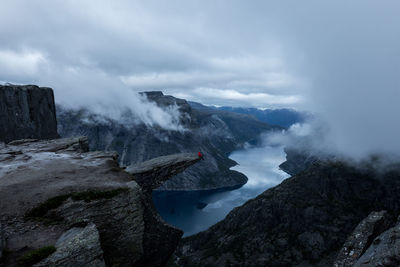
x: 339, y: 58
x: 178, y: 47
x: 353, y: 56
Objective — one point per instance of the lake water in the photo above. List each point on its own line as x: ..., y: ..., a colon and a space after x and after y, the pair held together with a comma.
x: 196, y: 211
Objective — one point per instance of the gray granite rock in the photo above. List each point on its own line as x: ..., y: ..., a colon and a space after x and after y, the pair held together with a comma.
x: 152, y: 173
x: 384, y: 250
x: 47, y: 187
x: 78, y: 247
x: 362, y: 237
x: 27, y: 111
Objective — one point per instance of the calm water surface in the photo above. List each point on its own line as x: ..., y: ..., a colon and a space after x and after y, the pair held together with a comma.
x: 196, y: 211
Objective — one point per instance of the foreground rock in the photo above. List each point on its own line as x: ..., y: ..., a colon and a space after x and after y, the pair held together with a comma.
x: 79, y: 246
x: 302, y: 222
x: 27, y: 111
x: 362, y: 237
x: 384, y: 250
x: 52, y: 193
x: 374, y: 242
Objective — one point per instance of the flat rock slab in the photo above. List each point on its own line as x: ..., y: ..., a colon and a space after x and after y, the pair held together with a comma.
x: 152, y: 173
x: 33, y: 171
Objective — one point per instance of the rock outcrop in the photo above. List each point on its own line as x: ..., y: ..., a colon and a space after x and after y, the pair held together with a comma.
x: 54, y: 192
x: 79, y: 246
x: 374, y: 242
x: 215, y: 133
x: 303, y: 221
x: 384, y: 250
x: 27, y: 111
x: 359, y: 241
x: 152, y: 173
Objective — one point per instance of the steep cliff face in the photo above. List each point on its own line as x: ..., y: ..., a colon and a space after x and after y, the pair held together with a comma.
x: 27, y: 111
x: 303, y: 221
x: 56, y: 195
x: 215, y: 134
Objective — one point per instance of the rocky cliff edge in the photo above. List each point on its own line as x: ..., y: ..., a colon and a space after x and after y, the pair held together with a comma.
x: 27, y: 111
x: 61, y: 205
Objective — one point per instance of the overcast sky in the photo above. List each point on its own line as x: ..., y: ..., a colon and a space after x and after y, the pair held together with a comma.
x: 340, y: 58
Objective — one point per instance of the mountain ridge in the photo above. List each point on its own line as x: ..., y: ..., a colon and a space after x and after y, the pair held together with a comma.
x: 215, y: 134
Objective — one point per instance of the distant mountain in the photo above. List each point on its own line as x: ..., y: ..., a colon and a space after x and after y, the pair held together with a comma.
x: 282, y: 117
x: 215, y: 133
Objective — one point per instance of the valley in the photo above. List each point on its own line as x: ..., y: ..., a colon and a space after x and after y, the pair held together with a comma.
x: 195, y: 211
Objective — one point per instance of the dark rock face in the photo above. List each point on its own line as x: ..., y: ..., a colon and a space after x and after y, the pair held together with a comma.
x: 158, y: 236
x: 49, y: 187
x: 303, y: 221
x: 384, y: 250
x: 2, y: 241
x: 362, y: 237
x: 27, y: 111
x: 374, y: 242
x: 214, y: 133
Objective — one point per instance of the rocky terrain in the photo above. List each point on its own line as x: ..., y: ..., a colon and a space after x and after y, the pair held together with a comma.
x: 61, y: 205
x: 302, y: 222
x: 27, y: 112
x: 215, y: 133
x: 56, y: 193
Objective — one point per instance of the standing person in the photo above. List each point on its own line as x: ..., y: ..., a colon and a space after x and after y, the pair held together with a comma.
x: 201, y: 156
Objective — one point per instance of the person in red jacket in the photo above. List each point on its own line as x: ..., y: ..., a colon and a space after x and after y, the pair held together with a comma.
x: 200, y: 155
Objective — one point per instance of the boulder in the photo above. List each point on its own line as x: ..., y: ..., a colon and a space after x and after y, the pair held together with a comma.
x: 79, y: 246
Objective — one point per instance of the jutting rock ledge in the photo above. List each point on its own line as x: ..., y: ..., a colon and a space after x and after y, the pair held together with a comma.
x: 56, y: 193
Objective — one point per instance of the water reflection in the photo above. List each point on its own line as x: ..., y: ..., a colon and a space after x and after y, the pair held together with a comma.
x: 196, y: 211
